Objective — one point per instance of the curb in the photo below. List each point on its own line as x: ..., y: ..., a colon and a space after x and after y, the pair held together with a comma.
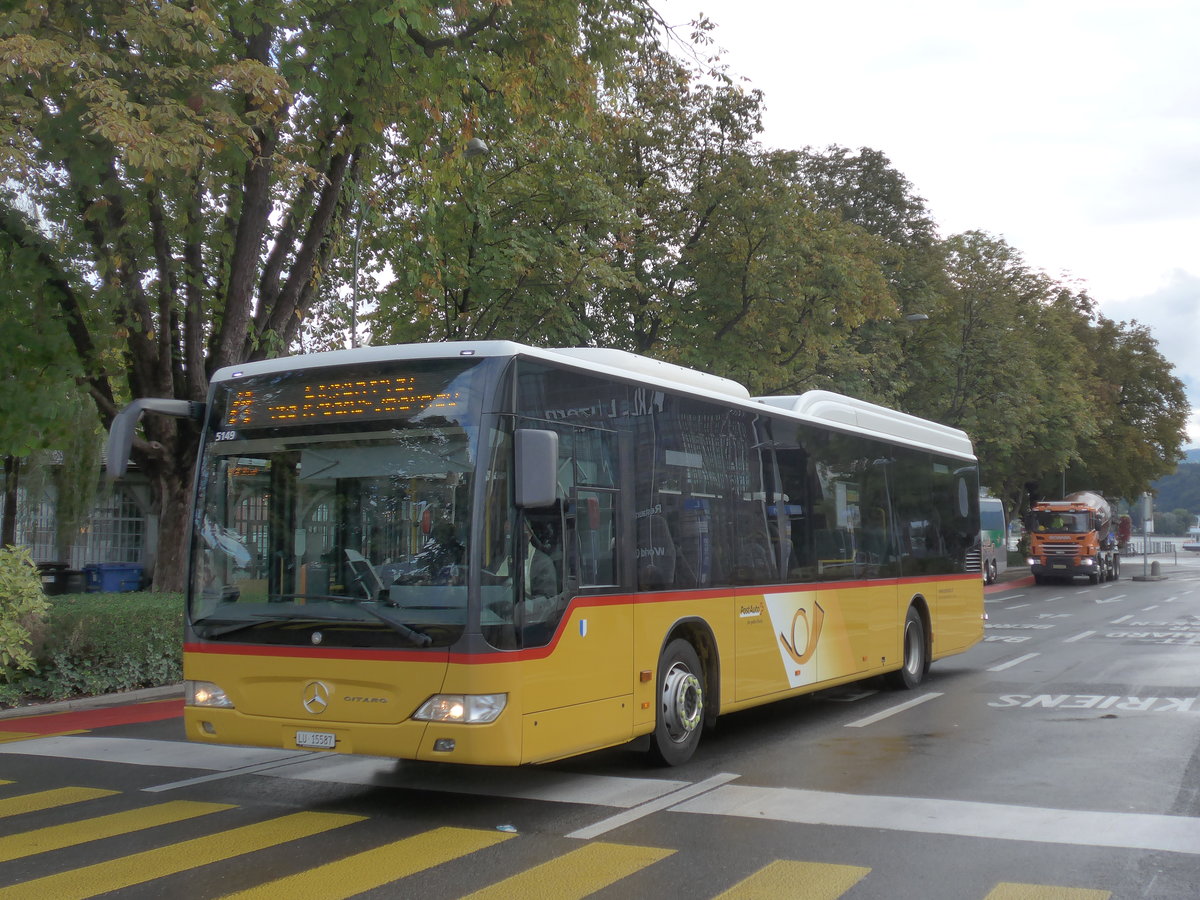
x: 166, y: 692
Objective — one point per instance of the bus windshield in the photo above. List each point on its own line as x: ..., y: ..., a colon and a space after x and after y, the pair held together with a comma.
x: 337, y: 513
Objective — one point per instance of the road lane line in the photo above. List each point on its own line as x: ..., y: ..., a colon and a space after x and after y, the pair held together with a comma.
x: 887, y: 713
x: 1121, y: 620
x: 230, y: 773
x: 961, y: 818
x: 1020, y: 606
x: 371, y: 869
x: 652, y: 806
x: 1078, y: 637
x: 1013, y: 662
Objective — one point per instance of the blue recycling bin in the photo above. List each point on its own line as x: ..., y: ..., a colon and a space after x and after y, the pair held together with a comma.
x: 113, y: 577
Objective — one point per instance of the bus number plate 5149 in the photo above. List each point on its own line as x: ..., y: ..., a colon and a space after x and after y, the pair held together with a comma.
x: 316, y: 740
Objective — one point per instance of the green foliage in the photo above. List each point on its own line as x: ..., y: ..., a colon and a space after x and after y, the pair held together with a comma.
x: 22, y: 608
x: 103, y: 643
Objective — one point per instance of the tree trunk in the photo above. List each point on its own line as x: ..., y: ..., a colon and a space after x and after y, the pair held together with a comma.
x: 12, y: 472
x: 174, y: 516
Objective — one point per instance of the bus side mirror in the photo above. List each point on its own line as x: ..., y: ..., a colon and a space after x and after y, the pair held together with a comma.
x: 120, y: 434
x: 536, y: 467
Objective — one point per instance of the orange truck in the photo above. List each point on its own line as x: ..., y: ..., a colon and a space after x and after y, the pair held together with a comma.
x: 1072, y: 537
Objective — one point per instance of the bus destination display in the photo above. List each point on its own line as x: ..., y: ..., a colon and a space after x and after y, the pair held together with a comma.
x: 306, y: 403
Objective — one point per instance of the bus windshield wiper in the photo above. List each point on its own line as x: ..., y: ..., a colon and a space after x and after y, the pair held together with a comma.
x: 414, y: 637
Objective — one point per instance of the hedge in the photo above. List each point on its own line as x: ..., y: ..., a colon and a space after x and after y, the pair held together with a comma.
x: 102, y: 643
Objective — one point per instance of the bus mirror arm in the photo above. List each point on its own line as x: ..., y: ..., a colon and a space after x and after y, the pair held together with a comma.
x: 120, y: 433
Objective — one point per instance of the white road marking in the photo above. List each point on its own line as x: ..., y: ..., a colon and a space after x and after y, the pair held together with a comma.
x: 1172, y: 834
x: 899, y: 708
x: 653, y: 806
x: 1013, y: 662
x: 1079, y: 637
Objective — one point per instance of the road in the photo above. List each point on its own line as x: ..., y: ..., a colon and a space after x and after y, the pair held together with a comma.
x: 1057, y: 760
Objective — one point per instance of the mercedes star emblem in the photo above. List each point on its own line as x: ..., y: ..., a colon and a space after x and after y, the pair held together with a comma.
x: 316, y: 697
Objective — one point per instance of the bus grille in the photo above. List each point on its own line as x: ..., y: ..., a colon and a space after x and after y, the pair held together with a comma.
x: 974, y: 561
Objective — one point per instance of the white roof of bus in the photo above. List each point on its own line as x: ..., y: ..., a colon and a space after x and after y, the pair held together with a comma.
x: 825, y: 407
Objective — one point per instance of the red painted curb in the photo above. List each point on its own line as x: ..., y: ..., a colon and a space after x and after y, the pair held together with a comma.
x: 88, y: 719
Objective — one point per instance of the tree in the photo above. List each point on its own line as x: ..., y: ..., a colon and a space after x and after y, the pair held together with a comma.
x: 194, y: 166
x: 1141, y: 410
x: 999, y: 359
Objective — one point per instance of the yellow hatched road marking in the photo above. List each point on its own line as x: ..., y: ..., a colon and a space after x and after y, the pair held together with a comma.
x: 375, y: 868
x: 15, y: 806
x: 1014, y: 891
x: 574, y: 875
x: 796, y: 881
x: 151, y: 864
x: 55, y: 837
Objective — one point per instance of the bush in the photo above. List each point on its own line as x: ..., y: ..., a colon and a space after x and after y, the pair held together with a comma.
x: 102, y: 643
x: 22, y: 609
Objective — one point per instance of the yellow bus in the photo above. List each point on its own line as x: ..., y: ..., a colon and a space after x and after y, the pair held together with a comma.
x: 489, y: 553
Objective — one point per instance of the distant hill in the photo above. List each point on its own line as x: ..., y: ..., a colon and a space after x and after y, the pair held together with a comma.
x: 1181, y: 489
x: 1192, y: 456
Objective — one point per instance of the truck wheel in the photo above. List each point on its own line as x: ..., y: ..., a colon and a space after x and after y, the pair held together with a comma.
x: 680, y: 717
x: 916, y: 654
x: 1094, y: 578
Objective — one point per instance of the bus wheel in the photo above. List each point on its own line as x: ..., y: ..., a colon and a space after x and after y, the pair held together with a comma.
x: 916, y: 654
x: 680, y: 716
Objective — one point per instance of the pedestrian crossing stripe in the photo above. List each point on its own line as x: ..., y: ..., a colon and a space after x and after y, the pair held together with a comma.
x: 149, y: 865
x: 374, y: 868
x: 574, y: 875
x: 1012, y: 891
x: 56, y: 837
x: 789, y: 878
x: 40, y: 800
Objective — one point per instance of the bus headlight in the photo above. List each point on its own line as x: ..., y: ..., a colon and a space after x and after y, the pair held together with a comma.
x: 466, y: 709
x: 205, y: 693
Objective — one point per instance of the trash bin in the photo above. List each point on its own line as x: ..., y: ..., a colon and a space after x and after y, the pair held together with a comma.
x: 113, y: 577
x: 52, y: 584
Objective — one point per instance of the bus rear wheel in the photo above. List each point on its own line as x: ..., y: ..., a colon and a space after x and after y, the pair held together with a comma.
x: 680, y: 717
x: 916, y: 654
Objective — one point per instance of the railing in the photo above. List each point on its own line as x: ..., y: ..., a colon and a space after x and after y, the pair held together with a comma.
x: 1147, y: 547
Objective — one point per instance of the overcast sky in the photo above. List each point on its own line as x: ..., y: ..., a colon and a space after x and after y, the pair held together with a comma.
x: 1071, y: 128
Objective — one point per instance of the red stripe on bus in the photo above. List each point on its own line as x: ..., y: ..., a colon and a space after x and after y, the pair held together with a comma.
x: 584, y: 602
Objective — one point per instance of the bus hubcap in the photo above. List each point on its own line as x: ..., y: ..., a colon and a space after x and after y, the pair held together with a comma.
x: 683, y: 702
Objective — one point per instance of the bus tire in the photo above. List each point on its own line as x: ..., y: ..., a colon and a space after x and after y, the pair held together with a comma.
x: 916, y: 654
x: 680, y: 717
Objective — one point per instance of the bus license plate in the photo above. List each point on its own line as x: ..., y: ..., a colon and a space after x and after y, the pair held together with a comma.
x: 316, y: 740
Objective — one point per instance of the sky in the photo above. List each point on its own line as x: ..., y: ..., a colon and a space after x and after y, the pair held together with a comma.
x: 1071, y: 128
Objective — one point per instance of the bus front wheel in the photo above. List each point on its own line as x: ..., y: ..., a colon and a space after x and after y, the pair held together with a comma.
x: 680, y: 717
x: 916, y: 654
